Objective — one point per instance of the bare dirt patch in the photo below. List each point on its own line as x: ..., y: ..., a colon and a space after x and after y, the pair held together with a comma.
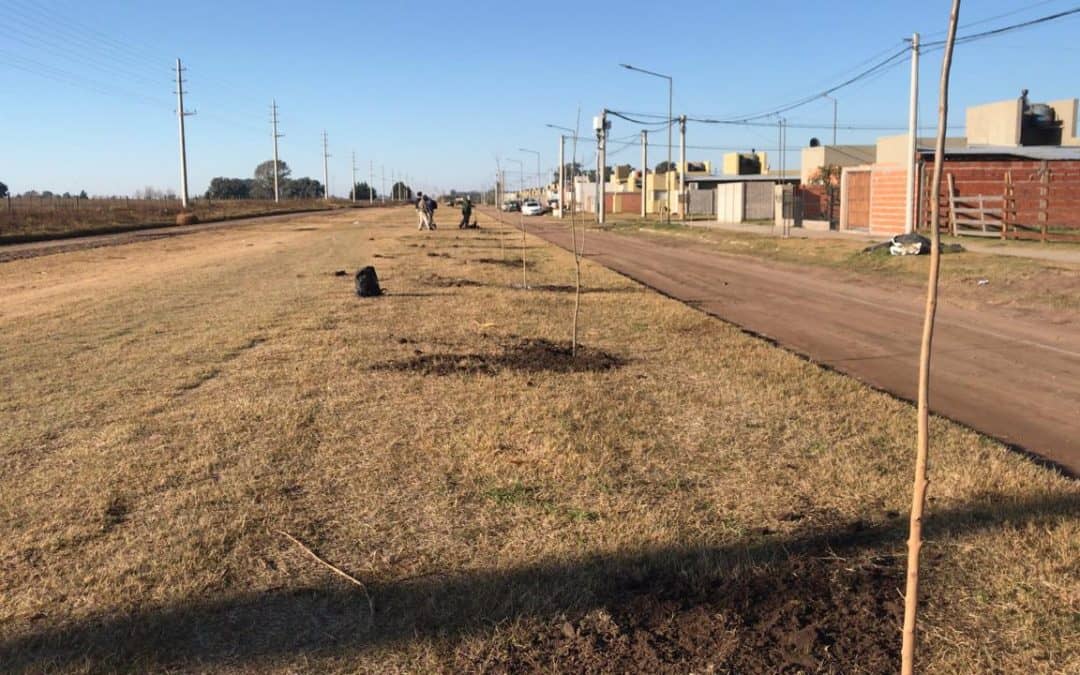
x: 791, y: 617
x: 532, y: 355
x: 505, y: 262
x: 448, y: 282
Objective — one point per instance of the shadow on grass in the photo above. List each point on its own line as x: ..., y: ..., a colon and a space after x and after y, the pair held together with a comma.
x: 826, y: 600
x: 525, y: 355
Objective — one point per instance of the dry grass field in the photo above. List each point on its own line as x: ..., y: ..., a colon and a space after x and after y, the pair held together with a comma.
x: 680, y: 498
x: 26, y: 218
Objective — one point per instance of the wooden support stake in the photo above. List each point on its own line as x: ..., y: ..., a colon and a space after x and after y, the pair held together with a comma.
x: 1007, y: 204
x: 952, y: 204
x: 918, y: 493
x: 1044, y: 199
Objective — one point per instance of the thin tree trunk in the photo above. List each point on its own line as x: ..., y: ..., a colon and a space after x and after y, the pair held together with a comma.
x: 574, y: 245
x: 918, y: 497
x: 521, y: 223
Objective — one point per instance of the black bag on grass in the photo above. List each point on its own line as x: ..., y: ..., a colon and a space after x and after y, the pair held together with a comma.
x: 367, y: 283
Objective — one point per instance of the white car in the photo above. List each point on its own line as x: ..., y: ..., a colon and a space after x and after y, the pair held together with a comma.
x: 530, y: 207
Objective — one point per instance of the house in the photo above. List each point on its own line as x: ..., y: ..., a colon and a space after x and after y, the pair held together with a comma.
x: 746, y: 163
x: 623, y: 188
x: 821, y: 191
x: 1015, y: 174
x: 743, y: 199
x: 662, y: 188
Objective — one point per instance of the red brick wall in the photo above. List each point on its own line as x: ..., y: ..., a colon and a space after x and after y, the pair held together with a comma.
x: 973, y: 177
x: 625, y: 202
x: 815, y: 202
x: 888, y: 189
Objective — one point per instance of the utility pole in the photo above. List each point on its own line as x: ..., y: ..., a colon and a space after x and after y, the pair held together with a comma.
x: 325, y: 167
x: 783, y: 172
x: 275, y: 135
x: 683, y: 210
x: 180, y: 115
x: 371, y: 182
x: 644, y: 167
x: 562, y: 174
x: 913, y: 122
x: 602, y: 125
x: 352, y: 192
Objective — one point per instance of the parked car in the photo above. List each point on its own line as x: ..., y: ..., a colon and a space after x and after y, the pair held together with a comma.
x: 531, y: 207
x: 511, y: 206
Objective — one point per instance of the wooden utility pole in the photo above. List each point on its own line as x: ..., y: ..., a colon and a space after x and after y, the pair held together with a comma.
x: 918, y: 498
x: 325, y: 168
x: 276, y: 136
x: 180, y: 115
x: 644, y: 168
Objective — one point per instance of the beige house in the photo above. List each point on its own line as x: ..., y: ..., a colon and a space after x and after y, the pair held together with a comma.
x: 1009, y: 123
x: 663, y: 189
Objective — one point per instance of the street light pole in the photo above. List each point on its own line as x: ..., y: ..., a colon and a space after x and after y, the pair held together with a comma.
x: 562, y: 164
x: 539, y: 195
x: 670, y: 123
x: 521, y: 218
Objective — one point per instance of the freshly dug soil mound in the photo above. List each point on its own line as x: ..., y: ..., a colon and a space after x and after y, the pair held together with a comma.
x: 808, y: 615
x: 523, y: 355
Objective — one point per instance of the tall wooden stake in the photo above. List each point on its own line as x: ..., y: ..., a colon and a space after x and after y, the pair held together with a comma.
x: 574, y: 244
x: 918, y: 498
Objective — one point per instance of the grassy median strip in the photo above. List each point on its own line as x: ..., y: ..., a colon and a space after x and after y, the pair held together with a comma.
x: 678, y: 496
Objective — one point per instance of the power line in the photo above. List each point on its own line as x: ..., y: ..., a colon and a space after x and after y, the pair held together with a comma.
x: 67, y: 77
x: 888, y: 63
x: 1008, y: 29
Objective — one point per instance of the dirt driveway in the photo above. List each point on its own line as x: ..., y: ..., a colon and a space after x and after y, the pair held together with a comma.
x: 1014, y: 378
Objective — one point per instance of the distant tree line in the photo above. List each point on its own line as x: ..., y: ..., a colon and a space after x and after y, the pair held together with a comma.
x: 261, y: 186
x: 364, y: 192
x: 44, y: 194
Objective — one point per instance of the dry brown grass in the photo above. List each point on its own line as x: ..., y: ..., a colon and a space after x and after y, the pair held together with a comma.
x: 26, y: 218
x: 168, y: 406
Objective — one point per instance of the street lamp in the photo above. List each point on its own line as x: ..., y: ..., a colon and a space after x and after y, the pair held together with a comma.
x: 562, y: 164
x: 521, y: 218
x: 539, y: 195
x: 833, y: 116
x: 670, y: 122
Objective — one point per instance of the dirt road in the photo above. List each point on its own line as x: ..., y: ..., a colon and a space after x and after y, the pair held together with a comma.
x: 1016, y: 379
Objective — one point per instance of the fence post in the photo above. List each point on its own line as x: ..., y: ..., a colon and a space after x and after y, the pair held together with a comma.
x: 1044, y: 198
x: 952, y: 204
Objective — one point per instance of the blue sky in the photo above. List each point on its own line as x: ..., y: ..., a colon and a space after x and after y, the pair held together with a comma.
x: 437, y: 90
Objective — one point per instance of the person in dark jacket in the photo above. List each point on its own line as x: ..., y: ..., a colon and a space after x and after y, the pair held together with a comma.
x: 466, y: 213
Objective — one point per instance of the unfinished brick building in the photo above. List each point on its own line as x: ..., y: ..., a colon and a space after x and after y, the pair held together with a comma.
x: 1016, y: 175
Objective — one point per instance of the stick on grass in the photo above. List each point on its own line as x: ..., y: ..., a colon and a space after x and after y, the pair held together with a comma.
x: 336, y: 570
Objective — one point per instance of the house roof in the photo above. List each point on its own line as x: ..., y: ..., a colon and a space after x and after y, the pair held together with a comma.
x: 1037, y: 152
